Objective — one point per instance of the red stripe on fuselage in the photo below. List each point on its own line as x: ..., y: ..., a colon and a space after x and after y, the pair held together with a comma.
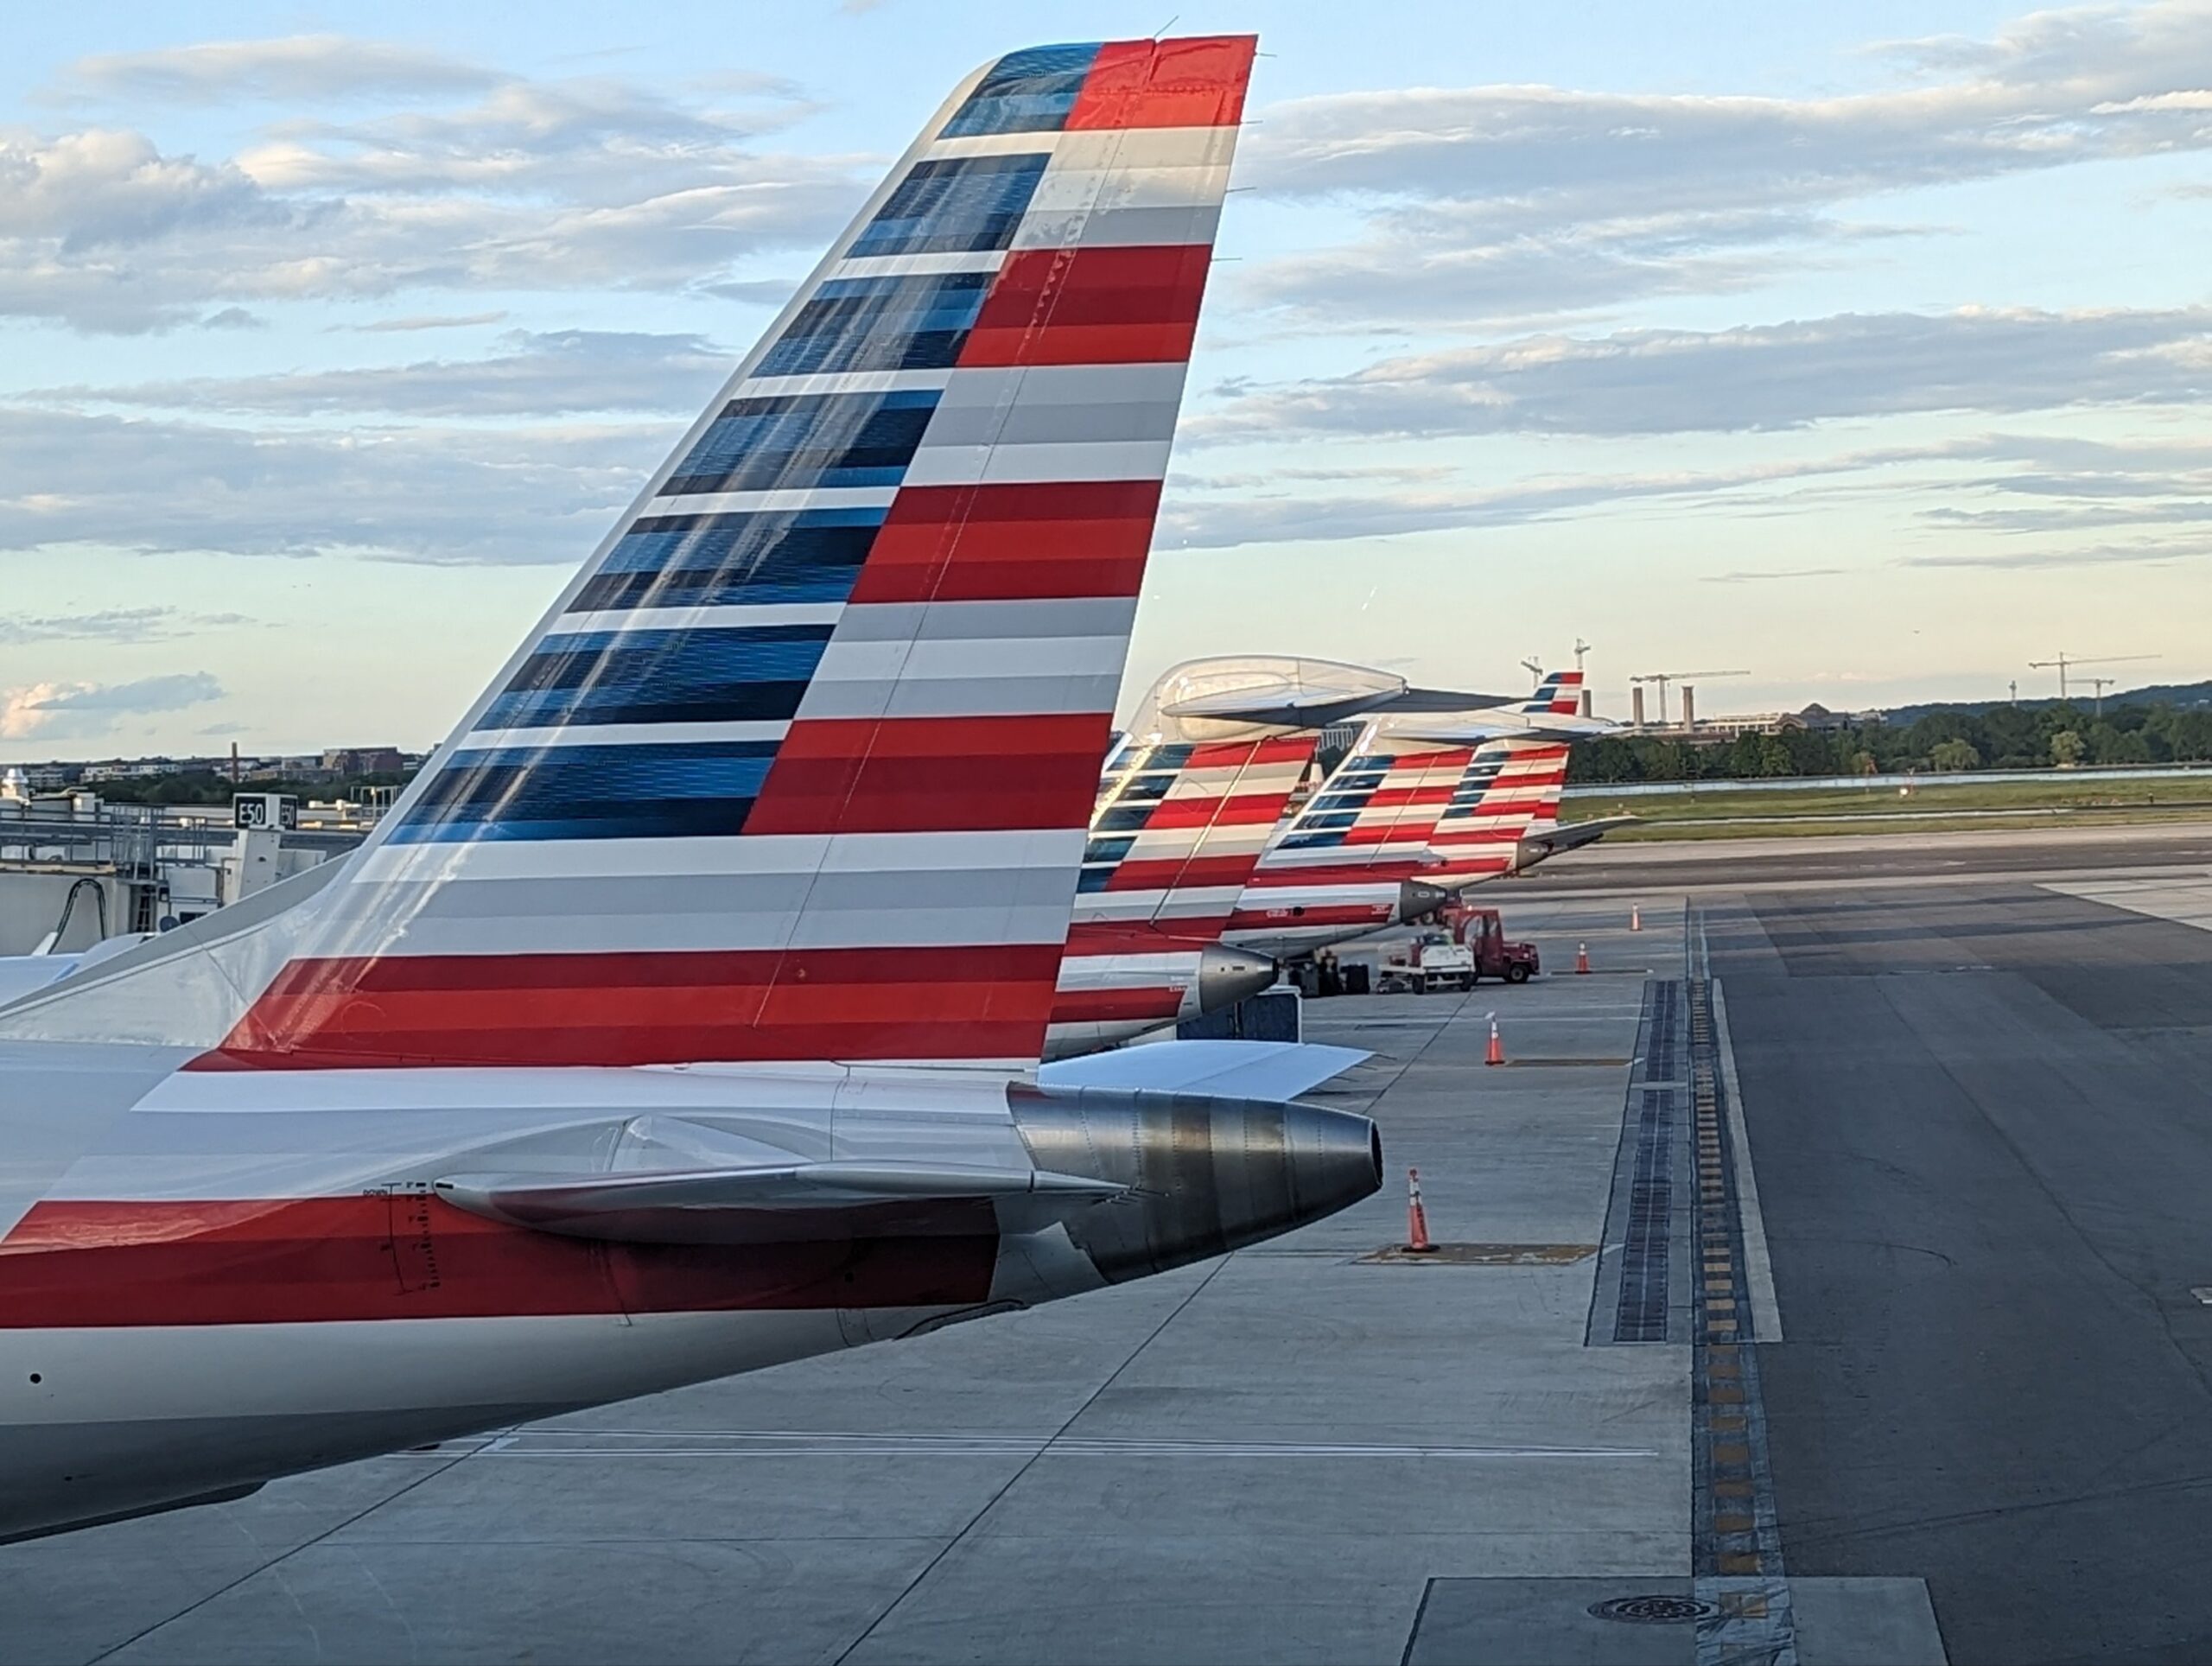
x: 412, y: 1255
x: 673, y: 1007
x: 1310, y: 916
x: 1184, y: 934
x: 1116, y: 1006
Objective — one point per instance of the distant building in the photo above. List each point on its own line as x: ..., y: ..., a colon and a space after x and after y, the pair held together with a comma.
x: 1712, y: 731
x: 344, y: 763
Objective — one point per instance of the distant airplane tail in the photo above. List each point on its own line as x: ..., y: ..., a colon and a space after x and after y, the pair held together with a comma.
x: 799, y: 764
x: 1560, y: 693
x: 1510, y: 792
x: 1188, y: 803
x: 1355, y: 857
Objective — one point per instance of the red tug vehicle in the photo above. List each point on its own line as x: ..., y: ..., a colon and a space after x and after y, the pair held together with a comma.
x: 1483, y: 933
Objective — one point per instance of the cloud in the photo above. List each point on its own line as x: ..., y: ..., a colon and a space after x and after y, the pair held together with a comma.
x: 431, y: 321
x: 549, y: 374
x: 2141, y: 553
x: 1456, y: 265
x: 2168, y: 483
x: 170, y: 693
x: 581, y: 183
x: 112, y: 624
x: 60, y: 710
x: 1758, y: 377
x: 1745, y: 577
x: 1218, y: 523
x: 532, y: 494
x: 1511, y: 201
x: 303, y: 67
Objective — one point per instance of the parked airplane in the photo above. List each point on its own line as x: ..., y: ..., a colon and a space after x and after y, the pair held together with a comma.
x: 1361, y: 854
x: 1190, y: 799
x: 1195, y: 881
x: 677, y: 1019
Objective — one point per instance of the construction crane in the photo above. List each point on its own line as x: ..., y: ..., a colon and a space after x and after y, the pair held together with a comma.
x: 1535, y: 668
x: 1662, y: 678
x: 2066, y: 662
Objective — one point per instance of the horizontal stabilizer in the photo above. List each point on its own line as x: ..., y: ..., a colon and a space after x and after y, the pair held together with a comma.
x: 781, y: 1203
x: 1572, y: 836
x: 1267, y: 691
x: 1472, y: 729
x: 1245, y: 1069
x: 1421, y: 700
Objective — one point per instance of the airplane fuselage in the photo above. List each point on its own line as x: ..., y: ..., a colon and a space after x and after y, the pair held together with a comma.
x: 210, y: 1279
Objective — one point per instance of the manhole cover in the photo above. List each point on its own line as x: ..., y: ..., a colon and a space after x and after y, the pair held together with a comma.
x: 1654, y: 1610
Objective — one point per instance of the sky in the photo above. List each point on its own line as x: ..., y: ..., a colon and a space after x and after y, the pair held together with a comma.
x: 1865, y: 350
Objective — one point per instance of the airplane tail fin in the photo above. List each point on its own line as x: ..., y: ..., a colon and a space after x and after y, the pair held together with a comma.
x: 1380, y: 805
x: 799, y: 764
x: 1215, y: 754
x: 1560, y: 694
x: 1510, y: 792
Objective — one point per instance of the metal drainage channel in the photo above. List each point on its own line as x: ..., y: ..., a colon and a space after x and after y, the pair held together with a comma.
x: 1736, y: 1540
x: 1644, y: 1268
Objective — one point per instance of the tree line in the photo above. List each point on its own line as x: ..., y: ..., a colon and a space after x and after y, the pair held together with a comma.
x: 2000, y: 737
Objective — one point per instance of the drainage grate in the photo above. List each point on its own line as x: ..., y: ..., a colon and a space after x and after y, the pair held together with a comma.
x: 1653, y: 1611
x: 1641, y: 1312
x: 1482, y: 1254
x: 1659, y: 1060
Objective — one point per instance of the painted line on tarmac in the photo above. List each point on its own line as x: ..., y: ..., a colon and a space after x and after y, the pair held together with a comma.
x: 1759, y: 1265
x: 768, y: 1443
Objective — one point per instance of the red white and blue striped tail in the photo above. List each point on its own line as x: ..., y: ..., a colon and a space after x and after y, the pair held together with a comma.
x: 1510, y: 792
x: 1559, y: 694
x: 1189, y: 800
x: 800, y: 765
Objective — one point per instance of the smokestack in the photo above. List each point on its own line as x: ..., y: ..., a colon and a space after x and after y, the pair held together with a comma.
x: 1689, y: 707
x: 1587, y: 711
x: 234, y: 763
x: 1635, y: 704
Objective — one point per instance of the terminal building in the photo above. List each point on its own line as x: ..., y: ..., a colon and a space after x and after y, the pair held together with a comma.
x: 75, y: 870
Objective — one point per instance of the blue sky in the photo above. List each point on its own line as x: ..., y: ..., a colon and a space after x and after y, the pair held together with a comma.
x: 1865, y: 349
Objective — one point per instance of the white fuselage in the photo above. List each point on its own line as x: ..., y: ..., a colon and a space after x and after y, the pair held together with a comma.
x: 209, y: 1277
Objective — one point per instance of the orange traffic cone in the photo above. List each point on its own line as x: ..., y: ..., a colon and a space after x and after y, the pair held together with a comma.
x: 1417, y: 1242
x: 1635, y: 917
x: 1582, y: 957
x: 1496, y: 1053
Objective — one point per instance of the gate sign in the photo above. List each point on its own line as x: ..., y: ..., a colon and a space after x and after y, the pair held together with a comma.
x: 260, y: 810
